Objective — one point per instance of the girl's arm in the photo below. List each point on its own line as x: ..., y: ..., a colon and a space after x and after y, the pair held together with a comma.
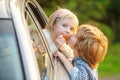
x: 68, y: 65
x: 64, y: 48
x: 73, y: 71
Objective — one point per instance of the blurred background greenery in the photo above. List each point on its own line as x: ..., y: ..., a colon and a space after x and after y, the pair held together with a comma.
x: 102, y: 13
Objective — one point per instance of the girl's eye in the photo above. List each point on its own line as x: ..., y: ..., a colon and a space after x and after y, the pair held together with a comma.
x: 72, y: 29
x: 64, y: 25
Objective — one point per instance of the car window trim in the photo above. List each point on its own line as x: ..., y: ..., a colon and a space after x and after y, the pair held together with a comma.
x: 40, y: 33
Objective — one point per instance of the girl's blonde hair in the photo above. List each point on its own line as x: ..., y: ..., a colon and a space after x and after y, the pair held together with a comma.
x: 92, y: 44
x: 59, y: 15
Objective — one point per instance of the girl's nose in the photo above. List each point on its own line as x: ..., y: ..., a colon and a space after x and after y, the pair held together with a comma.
x: 68, y: 31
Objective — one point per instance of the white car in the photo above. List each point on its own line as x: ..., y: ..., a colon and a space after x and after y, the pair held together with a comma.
x: 23, y: 46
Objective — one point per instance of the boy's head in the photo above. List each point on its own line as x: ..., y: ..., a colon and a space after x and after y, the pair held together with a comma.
x: 62, y: 22
x: 92, y: 44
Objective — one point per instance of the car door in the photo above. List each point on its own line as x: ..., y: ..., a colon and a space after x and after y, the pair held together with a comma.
x: 11, y: 67
x: 10, y: 58
x: 36, y: 21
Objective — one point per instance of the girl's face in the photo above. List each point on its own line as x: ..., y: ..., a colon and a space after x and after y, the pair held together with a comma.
x: 65, y: 27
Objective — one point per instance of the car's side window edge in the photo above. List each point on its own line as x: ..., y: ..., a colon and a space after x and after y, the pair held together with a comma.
x: 40, y: 31
x: 5, y: 18
x: 37, y: 10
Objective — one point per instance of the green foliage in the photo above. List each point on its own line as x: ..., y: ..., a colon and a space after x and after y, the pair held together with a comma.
x: 93, y: 9
x: 113, y: 17
x: 110, y: 66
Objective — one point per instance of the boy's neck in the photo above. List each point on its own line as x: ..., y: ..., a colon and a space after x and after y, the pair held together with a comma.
x: 76, y: 53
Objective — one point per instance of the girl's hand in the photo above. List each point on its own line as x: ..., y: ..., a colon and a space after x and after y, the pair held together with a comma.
x: 68, y: 65
x: 72, y: 41
x: 60, y: 41
x: 56, y: 56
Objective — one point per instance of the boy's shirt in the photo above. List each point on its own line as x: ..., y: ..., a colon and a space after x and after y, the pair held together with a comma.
x: 82, y: 71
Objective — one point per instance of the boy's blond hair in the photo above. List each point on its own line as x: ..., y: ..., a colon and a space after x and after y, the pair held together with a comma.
x: 92, y: 44
x: 59, y: 15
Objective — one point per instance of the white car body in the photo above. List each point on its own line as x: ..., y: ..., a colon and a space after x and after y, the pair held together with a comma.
x: 24, y: 62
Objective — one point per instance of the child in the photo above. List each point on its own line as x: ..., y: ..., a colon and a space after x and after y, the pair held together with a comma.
x: 61, y: 25
x: 90, y: 50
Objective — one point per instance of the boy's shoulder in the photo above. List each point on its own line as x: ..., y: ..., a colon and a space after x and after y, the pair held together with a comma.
x: 84, y: 68
x: 79, y: 61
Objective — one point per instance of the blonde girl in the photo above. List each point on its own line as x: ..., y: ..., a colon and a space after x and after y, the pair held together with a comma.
x: 61, y: 25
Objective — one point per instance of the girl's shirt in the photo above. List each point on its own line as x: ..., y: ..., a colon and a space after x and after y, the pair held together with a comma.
x: 82, y: 71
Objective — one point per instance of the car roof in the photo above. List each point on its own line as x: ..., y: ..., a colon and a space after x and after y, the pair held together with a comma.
x: 3, y: 9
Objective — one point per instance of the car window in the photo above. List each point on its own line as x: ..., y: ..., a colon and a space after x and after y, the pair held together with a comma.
x: 35, y: 23
x: 10, y: 62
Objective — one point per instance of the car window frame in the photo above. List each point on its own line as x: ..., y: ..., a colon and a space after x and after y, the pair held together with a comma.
x: 39, y: 26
